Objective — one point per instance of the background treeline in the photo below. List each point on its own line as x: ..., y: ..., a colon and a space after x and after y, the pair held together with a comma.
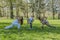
x: 26, y: 8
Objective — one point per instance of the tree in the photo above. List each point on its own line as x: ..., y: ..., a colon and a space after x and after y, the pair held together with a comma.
x: 17, y: 7
x: 0, y: 12
x: 11, y: 9
x: 32, y: 2
x: 58, y: 9
x: 39, y: 6
x: 23, y: 7
x: 53, y: 9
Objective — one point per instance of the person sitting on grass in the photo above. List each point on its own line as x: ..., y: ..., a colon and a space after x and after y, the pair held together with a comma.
x: 44, y: 21
x: 16, y: 22
x: 31, y: 21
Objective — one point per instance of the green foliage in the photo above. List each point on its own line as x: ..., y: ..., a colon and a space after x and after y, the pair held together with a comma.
x: 26, y: 34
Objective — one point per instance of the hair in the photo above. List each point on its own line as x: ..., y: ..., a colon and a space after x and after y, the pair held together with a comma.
x: 39, y: 18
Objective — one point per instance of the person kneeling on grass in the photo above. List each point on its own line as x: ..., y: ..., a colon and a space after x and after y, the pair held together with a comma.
x: 31, y: 21
x: 16, y: 22
x: 44, y: 21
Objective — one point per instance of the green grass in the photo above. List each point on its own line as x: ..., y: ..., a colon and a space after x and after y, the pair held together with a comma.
x: 25, y: 34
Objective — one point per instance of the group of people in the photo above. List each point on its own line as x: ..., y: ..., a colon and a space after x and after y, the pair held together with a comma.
x: 19, y: 21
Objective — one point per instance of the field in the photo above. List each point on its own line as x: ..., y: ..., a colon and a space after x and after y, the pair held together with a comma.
x: 26, y: 34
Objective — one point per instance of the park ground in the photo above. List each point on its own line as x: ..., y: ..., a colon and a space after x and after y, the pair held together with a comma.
x: 26, y: 34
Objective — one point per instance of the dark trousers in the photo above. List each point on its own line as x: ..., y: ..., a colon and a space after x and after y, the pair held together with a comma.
x: 30, y: 25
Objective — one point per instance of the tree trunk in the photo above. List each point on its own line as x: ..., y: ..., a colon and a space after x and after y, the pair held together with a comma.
x: 17, y: 10
x: 43, y: 14
x: 17, y: 6
x: 53, y: 9
x: 24, y: 14
x: 27, y: 13
x: 59, y: 16
x: 33, y: 12
x: 4, y: 14
x: 11, y: 10
x: 0, y: 13
x: 53, y: 15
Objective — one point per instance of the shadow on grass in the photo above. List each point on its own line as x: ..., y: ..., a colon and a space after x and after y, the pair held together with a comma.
x: 39, y: 30
x: 25, y: 28
x: 25, y: 31
x: 36, y: 29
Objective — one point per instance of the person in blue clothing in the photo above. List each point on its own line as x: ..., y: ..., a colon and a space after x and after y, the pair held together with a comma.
x: 31, y: 19
x: 16, y: 23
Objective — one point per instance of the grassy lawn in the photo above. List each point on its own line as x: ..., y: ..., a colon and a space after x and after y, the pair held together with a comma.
x: 25, y: 34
